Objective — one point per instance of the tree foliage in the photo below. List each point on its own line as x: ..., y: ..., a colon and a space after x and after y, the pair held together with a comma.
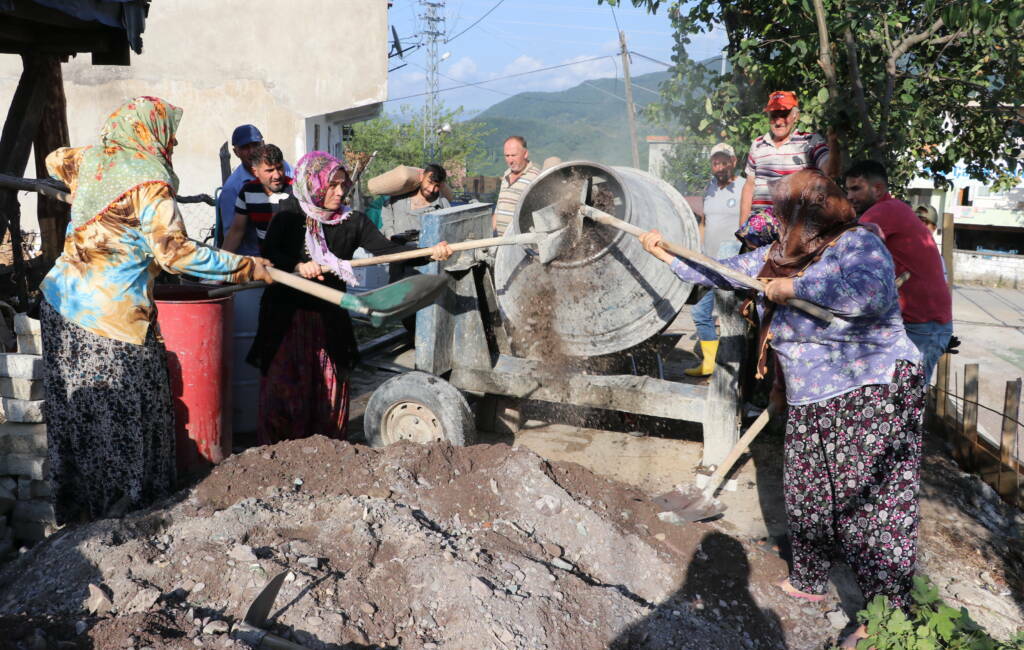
x: 398, y: 140
x: 921, y: 85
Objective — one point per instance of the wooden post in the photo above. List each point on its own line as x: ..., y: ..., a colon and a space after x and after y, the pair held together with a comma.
x: 15, y: 146
x: 942, y: 389
x: 630, y: 109
x: 970, y: 430
x: 51, y: 134
x: 948, y: 244
x: 1006, y: 481
x: 722, y: 406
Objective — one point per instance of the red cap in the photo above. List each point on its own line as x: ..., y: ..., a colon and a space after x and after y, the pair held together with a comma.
x: 781, y: 100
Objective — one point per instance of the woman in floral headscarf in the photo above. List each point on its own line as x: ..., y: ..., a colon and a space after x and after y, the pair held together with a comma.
x: 854, y: 390
x: 110, y: 424
x: 305, y: 347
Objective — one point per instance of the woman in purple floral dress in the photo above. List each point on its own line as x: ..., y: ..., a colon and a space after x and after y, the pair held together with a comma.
x: 854, y: 391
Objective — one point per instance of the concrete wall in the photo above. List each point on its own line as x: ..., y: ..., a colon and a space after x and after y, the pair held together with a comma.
x: 280, y: 66
x: 989, y: 269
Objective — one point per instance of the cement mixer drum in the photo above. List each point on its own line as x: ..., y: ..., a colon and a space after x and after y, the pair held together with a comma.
x: 605, y: 294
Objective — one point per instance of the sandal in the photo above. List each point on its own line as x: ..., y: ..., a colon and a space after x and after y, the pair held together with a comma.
x: 791, y: 591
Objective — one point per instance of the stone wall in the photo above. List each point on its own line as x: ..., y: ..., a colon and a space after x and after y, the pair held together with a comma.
x: 989, y: 269
x: 26, y: 514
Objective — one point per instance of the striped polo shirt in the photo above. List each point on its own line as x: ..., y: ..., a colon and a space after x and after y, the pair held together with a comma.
x: 509, y: 195
x: 767, y: 163
x: 260, y: 207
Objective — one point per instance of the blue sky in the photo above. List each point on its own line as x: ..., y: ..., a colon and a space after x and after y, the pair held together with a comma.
x: 523, y: 35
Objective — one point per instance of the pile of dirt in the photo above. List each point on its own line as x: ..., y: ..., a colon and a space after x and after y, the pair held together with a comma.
x: 412, y: 546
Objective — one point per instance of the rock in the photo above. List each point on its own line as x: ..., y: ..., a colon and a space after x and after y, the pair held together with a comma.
x: 143, y: 600
x: 31, y: 466
x: 837, y: 618
x: 33, y: 511
x: 216, y: 627
x: 81, y: 627
x: 242, y: 553
x: 98, y: 602
x: 561, y: 564
x: 28, y: 439
x: 479, y: 588
x: 199, y: 586
x: 27, y: 326
x: 548, y: 505
x: 311, y: 562
x: 7, y: 500
x: 28, y: 344
x: 368, y: 608
x: 552, y: 549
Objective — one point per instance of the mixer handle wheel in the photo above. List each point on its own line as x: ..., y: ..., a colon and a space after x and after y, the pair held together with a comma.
x: 419, y: 407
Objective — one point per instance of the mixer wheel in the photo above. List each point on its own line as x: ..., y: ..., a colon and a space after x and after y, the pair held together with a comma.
x: 419, y: 407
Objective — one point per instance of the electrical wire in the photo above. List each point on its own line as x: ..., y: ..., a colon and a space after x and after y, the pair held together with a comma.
x: 509, y: 76
x: 474, y: 23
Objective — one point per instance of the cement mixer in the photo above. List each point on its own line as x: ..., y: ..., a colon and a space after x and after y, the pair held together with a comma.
x: 566, y: 330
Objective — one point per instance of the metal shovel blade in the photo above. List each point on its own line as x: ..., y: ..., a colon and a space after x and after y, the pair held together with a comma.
x: 400, y: 299
x: 548, y: 220
x: 688, y: 503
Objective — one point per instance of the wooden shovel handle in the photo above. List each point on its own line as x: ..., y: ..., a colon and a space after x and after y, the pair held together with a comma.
x: 716, y: 478
x: 316, y: 289
x: 461, y: 246
x: 740, y: 278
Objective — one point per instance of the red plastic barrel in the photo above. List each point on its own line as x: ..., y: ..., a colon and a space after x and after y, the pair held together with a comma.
x: 197, y: 332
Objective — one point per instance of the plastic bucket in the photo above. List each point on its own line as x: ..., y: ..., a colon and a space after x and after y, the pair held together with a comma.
x: 197, y: 332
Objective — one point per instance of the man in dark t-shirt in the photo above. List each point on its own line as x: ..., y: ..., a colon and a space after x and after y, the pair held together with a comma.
x: 925, y: 300
x: 258, y: 201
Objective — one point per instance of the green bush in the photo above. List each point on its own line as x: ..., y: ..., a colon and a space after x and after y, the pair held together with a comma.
x: 931, y: 624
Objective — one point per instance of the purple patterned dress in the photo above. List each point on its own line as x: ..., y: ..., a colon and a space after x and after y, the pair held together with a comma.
x: 853, y: 431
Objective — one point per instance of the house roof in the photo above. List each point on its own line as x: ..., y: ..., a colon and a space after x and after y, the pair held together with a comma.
x: 105, y: 28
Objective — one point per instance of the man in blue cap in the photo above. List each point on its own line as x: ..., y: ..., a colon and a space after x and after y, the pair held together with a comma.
x: 244, y: 141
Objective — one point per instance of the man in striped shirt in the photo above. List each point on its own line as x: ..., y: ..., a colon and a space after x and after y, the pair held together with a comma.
x: 782, y: 151
x: 258, y: 201
x: 517, y: 178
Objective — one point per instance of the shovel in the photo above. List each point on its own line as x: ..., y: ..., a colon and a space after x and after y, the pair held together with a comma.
x: 550, y: 220
x: 546, y: 243
x: 691, y: 503
x: 392, y: 302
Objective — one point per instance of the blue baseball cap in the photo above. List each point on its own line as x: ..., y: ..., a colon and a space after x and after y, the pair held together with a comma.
x: 245, y: 134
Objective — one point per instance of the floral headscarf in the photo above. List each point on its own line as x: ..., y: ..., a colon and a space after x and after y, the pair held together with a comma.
x: 134, y: 149
x: 312, y: 178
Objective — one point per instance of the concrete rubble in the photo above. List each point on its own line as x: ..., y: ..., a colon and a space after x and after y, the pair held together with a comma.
x: 26, y: 515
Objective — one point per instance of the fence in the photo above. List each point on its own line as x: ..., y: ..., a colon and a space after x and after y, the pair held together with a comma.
x: 996, y: 463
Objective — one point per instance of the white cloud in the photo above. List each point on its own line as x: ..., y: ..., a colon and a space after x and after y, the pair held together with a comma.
x: 464, y: 69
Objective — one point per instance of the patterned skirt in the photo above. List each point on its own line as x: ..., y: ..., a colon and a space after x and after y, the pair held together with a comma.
x: 109, y: 420
x: 850, y: 482
x: 304, y: 392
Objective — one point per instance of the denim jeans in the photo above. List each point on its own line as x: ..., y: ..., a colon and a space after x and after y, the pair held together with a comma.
x: 703, y: 312
x: 704, y: 317
x: 931, y: 339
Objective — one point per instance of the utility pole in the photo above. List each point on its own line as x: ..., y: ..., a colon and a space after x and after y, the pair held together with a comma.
x: 434, y: 33
x: 630, y: 110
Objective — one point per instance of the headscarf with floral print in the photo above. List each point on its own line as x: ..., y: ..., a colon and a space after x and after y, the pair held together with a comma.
x: 313, y: 175
x: 134, y: 149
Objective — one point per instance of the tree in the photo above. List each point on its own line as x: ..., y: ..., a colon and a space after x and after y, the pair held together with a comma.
x: 399, y: 141
x: 917, y: 84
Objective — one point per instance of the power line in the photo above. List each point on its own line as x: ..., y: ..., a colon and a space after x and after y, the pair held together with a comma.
x: 509, y: 76
x: 473, y: 24
x: 615, y: 18
x: 644, y: 56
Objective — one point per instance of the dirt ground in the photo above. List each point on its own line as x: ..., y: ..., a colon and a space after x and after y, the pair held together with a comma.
x: 545, y: 539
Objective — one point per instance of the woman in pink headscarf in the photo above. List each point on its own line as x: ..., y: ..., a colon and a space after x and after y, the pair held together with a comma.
x: 305, y: 347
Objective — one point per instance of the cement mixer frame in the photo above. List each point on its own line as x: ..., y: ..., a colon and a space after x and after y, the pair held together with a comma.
x: 462, y: 340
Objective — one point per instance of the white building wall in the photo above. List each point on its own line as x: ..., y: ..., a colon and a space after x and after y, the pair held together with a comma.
x: 280, y: 66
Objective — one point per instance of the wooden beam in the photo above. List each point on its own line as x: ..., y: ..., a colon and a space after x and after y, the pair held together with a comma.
x: 1007, y: 480
x: 52, y: 134
x: 970, y: 426
x: 15, y: 145
x: 722, y: 408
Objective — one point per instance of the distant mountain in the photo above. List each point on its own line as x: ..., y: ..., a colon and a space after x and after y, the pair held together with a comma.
x: 587, y: 122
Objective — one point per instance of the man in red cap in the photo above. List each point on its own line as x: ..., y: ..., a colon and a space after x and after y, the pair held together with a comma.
x: 781, y: 151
